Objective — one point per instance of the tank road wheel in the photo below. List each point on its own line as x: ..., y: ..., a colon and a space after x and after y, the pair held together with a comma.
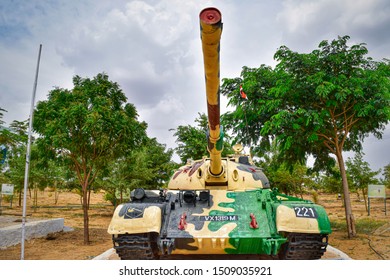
x: 141, y: 246
x: 304, y: 246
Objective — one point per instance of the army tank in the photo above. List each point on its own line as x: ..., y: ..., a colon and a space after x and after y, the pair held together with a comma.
x: 218, y: 205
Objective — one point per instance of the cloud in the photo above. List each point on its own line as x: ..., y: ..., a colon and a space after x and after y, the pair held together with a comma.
x: 306, y: 23
x: 152, y: 48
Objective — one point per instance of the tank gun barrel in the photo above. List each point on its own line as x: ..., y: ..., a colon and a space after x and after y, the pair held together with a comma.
x: 211, y: 30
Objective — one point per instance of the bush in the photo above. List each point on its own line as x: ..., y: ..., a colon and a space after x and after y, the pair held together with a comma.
x: 111, y: 198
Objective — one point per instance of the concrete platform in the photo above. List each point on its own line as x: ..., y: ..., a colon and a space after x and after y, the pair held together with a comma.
x: 330, y: 254
x: 11, y: 229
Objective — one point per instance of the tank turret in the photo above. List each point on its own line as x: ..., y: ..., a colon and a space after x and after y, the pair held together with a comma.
x: 218, y: 205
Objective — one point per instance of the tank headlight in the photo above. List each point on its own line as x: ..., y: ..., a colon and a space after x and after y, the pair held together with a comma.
x: 204, y: 196
x: 189, y: 197
x: 139, y: 193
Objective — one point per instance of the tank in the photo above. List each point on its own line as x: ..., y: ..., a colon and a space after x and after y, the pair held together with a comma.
x: 218, y: 205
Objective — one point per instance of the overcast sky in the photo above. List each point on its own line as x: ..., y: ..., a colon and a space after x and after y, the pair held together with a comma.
x: 153, y: 49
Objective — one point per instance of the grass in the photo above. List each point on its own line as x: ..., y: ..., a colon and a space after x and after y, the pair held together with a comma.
x: 364, y: 225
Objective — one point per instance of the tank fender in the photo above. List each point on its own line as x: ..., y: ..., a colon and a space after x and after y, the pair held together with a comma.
x: 132, y: 218
x: 303, y: 218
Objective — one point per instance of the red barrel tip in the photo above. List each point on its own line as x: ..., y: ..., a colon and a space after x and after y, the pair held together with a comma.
x: 210, y: 15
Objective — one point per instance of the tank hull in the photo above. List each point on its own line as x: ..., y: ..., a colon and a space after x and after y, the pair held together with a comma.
x: 257, y: 221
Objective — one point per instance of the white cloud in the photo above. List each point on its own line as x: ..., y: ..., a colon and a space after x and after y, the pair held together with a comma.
x: 306, y: 23
x: 152, y: 48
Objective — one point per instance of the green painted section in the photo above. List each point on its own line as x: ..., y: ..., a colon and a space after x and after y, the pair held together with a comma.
x: 219, y: 144
x: 247, y: 240
x: 323, y: 220
x: 263, y: 204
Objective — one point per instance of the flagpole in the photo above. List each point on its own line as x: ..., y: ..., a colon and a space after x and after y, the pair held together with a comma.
x: 26, y: 173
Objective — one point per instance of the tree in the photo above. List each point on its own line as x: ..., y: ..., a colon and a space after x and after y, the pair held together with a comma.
x: 15, y: 139
x: 386, y: 175
x: 149, y: 167
x: 87, y: 127
x: 289, y: 180
x: 192, y: 140
x: 330, y: 180
x: 244, y: 121
x: 159, y: 162
x: 11, y: 137
x: 321, y: 103
x: 360, y: 174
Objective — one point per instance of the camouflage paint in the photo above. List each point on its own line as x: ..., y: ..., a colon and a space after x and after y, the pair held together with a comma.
x: 236, y: 234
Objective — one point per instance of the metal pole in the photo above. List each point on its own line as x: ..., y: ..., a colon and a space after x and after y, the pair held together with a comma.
x: 26, y: 173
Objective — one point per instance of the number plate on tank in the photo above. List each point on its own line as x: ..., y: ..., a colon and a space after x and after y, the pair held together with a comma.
x: 219, y: 218
x: 305, y: 212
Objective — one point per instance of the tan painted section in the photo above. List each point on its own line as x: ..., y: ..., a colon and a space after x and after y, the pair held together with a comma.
x: 211, y: 37
x: 235, y: 179
x: 206, y: 245
x: 220, y: 239
x: 288, y: 222
x: 241, y: 180
x: 150, y: 222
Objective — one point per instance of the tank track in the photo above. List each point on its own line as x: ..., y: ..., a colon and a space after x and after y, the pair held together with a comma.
x: 302, y: 246
x: 136, y: 246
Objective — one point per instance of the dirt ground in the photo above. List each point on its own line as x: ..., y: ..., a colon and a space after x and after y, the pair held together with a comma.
x: 371, y: 243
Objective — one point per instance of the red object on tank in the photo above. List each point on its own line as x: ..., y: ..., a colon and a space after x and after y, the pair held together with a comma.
x: 253, y: 223
x: 182, y: 222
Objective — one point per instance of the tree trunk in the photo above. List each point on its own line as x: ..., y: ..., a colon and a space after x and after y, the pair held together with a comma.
x: 20, y: 198
x: 347, y: 199
x: 85, y: 212
x: 35, y: 199
x: 56, y: 194
x: 301, y: 189
x: 365, y: 199
x: 89, y: 198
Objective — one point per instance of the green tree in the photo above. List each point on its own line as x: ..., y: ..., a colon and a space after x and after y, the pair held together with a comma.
x: 330, y: 180
x: 13, y: 136
x: 149, y: 166
x: 360, y: 174
x: 159, y: 161
x: 295, y: 180
x: 87, y: 127
x: 2, y: 115
x: 386, y: 175
x: 245, y: 121
x: 287, y: 178
x: 192, y: 140
x: 16, y: 140
x: 321, y: 103
x: 3, y: 138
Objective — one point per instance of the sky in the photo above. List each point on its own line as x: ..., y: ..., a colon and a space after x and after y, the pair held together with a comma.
x: 152, y: 49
